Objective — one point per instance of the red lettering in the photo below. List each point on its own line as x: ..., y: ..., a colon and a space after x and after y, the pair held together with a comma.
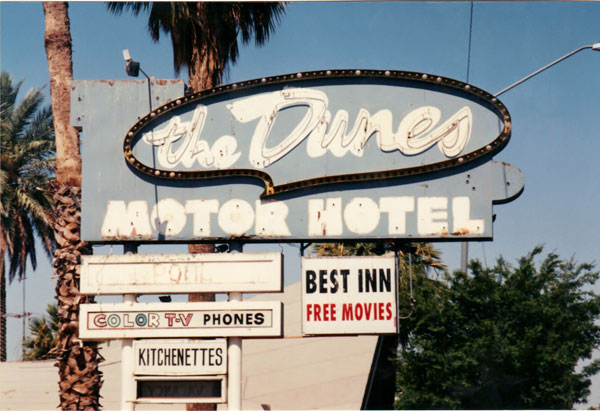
x: 186, y: 320
x: 333, y: 312
x: 358, y: 313
x: 325, y: 312
x: 170, y: 317
x: 100, y: 320
x: 308, y: 311
x: 317, y: 312
x: 368, y: 308
x: 328, y: 312
x: 388, y: 309
x: 347, y: 314
x: 380, y: 310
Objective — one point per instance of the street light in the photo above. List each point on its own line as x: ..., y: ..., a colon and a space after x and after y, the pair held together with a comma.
x: 132, y: 67
x: 464, y: 249
x: 535, y: 73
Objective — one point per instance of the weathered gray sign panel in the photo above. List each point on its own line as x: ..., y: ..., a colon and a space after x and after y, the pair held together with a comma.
x: 310, y: 156
x: 179, y: 357
x: 349, y: 295
x: 181, y: 273
x: 158, y: 320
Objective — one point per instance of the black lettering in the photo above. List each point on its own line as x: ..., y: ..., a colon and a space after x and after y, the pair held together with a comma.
x: 203, y: 355
x: 141, y: 353
x: 238, y: 319
x: 345, y: 274
x: 187, y: 357
x: 153, y: 356
x: 360, y: 281
x: 159, y: 359
x: 216, y: 319
x: 334, y: 281
x: 211, y: 355
x: 219, y: 353
x: 370, y: 280
x: 259, y: 318
x: 206, y: 318
x: 249, y: 319
x: 180, y: 356
x: 195, y: 356
x: 385, y: 280
x: 322, y: 281
x: 227, y: 319
x: 311, y: 284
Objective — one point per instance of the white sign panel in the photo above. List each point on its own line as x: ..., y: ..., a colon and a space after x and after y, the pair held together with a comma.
x: 181, y: 273
x: 180, y: 357
x: 349, y: 295
x: 159, y: 320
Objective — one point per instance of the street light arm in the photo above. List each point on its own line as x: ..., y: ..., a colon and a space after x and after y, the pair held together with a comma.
x: 595, y: 46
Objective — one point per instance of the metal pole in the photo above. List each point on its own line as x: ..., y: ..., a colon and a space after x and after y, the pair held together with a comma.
x: 24, y: 321
x: 128, y: 387
x: 535, y: 73
x: 234, y: 354
x: 464, y: 256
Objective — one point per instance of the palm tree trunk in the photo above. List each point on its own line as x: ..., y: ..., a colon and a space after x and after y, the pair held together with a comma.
x: 201, y: 69
x: 2, y: 306
x: 200, y: 75
x: 77, y: 361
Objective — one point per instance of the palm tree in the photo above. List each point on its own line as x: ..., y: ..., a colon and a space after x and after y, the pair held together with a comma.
x: 205, y: 34
x: 421, y: 253
x: 40, y: 345
x: 26, y: 168
x: 77, y: 361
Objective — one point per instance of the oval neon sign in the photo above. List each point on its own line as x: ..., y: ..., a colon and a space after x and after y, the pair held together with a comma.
x: 323, y: 127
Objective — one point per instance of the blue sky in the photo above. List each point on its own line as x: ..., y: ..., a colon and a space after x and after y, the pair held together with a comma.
x: 555, y: 138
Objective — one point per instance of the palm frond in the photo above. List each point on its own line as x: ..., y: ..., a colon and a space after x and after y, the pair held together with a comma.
x: 26, y: 169
x: 24, y: 112
x: 42, y: 335
x: 207, y: 29
x: 8, y: 94
x: 117, y: 7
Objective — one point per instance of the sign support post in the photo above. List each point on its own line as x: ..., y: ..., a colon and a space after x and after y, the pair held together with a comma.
x: 127, y: 380
x: 234, y: 352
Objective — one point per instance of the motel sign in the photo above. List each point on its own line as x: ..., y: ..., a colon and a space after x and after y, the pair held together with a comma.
x: 315, y: 156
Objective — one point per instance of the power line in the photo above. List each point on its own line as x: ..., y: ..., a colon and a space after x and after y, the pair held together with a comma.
x: 469, y: 47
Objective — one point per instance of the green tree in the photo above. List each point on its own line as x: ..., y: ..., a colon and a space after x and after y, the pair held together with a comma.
x: 26, y: 169
x: 41, y: 343
x: 505, y: 337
